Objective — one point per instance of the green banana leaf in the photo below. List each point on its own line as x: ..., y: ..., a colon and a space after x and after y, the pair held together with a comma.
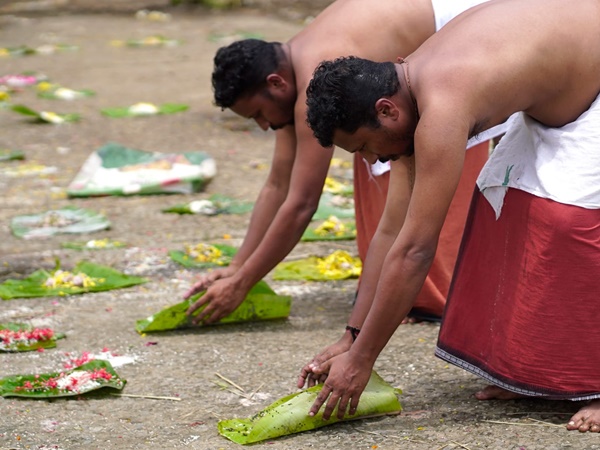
x: 214, y: 205
x: 311, y: 234
x: 334, y: 205
x: 167, y: 108
x: 187, y: 260
x: 17, y: 51
x: 222, y: 4
x: 94, y: 244
x: 22, y: 109
x: 59, y: 93
x: 315, y: 268
x: 21, y: 337
x: 46, y: 116
x: 289, y: 415
x: 150, y: 41
x: 8, y: 155
x: 106, y: 278
x: 261, y: 303
x: 225, y: 38
x: 67, y: 220
x: 97, y: 374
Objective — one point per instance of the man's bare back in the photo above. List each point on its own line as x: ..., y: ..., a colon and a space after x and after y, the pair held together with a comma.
x: 499, y: 76
x: 276, y: 100
x: 398, y: 28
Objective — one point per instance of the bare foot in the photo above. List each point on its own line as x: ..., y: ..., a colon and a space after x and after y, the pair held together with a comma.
x: 587, y: 418
x: 409, y: 319
x: 496, y: 393
x: 417, y: 316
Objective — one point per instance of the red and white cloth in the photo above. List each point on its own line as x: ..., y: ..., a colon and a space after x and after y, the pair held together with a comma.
x: 521, y: 308
x: 562, y: 164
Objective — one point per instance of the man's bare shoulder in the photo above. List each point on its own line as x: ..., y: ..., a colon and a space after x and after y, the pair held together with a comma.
x: 381, y: 31
x: 516, y: 47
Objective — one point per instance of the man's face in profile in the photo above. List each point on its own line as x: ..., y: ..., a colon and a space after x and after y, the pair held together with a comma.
x: 376, y: 144
x: 266, y: 109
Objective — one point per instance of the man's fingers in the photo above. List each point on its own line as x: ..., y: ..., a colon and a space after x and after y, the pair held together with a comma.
x: 320, y: 359
x: 342, y: 405
x: 321, y: 398
x: 197, y: 287
x: 330, y: 406
x: 197, y: 304
x: 321, y: 369
x: 301, y: 381
x: 202, y: 284
x: 210, y: 314
x: 190, y: 292
x: 314, y: 379
x: 354, y: 404
x: 303, y: 377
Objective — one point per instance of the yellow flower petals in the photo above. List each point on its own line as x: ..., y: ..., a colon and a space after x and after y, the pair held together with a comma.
x: 339, y: 263
x: 66, y: 279
x: 331, y: 227
x: 205, y: 253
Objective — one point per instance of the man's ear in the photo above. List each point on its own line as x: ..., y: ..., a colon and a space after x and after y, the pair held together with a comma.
x: 386, y: 108
x: 276, y: 81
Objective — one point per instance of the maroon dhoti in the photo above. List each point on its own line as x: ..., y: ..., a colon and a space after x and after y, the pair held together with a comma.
x: 370, y: 193
x: 522, y: 308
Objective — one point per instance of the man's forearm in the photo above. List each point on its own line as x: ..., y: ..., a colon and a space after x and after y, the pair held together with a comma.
x: 372, y: 267
x: 400, y: 282
x: 389, y: 227
x: 281, y: 237
x: 264, y: 212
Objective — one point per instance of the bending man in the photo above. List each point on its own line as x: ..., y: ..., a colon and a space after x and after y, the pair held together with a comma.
x: 267, y: 82
x: 525, y: 283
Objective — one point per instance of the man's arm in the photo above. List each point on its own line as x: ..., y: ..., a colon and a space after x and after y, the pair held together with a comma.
x: 387, y: 230
x: 270, y: 198
x: 310, y: 167
x: 440, y: 140
x: 390, y: 224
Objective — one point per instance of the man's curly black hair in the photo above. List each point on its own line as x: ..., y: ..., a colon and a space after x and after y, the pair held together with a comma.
x: 241, y: 68
x: 342, y: 95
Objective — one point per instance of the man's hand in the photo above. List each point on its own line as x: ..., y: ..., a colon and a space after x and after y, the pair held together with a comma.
x: 323, y: 362
x: 207, y: 279
x: 345, y: 383
x: 220, y: 299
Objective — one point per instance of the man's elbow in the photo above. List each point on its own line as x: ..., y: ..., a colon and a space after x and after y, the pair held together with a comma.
x: 304, y: 207
x: 420, y: 256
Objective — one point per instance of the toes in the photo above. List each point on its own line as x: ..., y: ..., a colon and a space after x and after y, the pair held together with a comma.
x: 583, y: 427
x: 586, y: 426
x: 488, y: 393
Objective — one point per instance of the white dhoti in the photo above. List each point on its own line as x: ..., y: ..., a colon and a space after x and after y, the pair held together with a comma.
x: 561, y: 164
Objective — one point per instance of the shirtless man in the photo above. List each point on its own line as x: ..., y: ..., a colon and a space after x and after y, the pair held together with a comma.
x: 266, y: 82
x: 546, y: 60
